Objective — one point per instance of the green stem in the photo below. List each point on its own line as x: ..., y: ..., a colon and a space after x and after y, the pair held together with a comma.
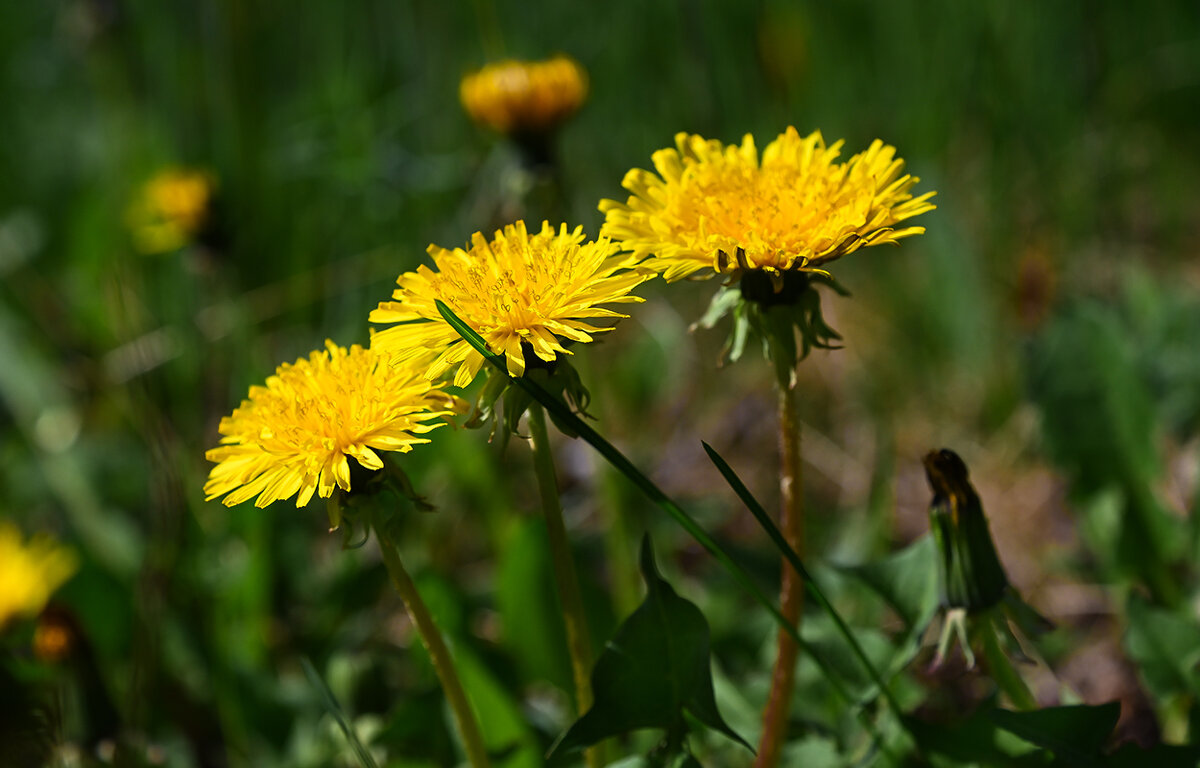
x: 791, y: 520
x: 1001, y: 669
x: 578, y: 641
x: 439, y: 653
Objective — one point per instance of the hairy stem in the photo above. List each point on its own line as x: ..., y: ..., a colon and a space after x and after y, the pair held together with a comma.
x: 439, y: 653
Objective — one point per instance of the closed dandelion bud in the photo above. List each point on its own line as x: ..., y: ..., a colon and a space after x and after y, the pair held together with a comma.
x: 970, y: 574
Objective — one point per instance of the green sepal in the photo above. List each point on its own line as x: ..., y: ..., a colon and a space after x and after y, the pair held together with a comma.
x: 348, y: 509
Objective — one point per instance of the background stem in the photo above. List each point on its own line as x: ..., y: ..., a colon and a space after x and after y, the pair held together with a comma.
x: 439, y: 654
x: 791, y: 489
x: 578, y: 641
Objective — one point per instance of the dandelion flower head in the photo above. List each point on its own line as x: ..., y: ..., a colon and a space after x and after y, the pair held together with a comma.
x: 721, y: 208
x: 296, y: 434
x: 29, y: 572
x: 170, y: 209
x: 518, y: 291
x: 524, y: 96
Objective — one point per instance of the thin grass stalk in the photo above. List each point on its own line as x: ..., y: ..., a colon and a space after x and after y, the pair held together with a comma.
x: 791, y: 591
x: 579, y: 643
x: 439, y: 653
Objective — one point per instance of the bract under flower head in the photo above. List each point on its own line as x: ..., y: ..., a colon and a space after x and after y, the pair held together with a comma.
x: 29, y: 572
x: 296, y: 434
x: 717, y: 207
x: 524, y: 96
x: 170, y: 209
x: 517, y: 291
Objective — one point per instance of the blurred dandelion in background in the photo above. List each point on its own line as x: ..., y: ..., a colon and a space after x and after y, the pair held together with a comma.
x: 30, y: 571
x: 170, y: 209
x: 524, y: 97
x: 297, y: 433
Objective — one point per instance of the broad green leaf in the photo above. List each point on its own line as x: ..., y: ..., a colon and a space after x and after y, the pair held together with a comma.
x: 1075, y: 734
x: 654, y: 670
x: 1166, y: 647
x: 906, y: 580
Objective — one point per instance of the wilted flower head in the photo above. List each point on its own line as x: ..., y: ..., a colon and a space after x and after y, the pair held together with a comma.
x: 524, y: 96
x: 518, y: 291
x: 170, y: 209
x: 297, y: 433
x: 29, y: 572
x: 717, y: 207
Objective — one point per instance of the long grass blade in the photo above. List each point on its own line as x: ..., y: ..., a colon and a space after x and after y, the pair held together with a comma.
x: 335, y: 711
x: 793, y: 558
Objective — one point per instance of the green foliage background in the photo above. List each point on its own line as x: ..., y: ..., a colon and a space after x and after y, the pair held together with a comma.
x: 1046, y: 327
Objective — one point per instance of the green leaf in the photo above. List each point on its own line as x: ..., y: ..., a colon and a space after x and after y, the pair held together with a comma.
x: 907, y: 582
x: 655, y: 669
x: 1075, y: 734
x: 1166, y: 647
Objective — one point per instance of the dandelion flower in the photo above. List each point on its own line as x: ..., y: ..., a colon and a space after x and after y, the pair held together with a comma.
x: 296, y: 434
x: 519, y: 291
x: 516, y: 97
x: 717, y: 207
x: 170, y: 210
x: 29, y: 572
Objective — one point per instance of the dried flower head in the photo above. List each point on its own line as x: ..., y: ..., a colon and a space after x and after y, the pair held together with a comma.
x: 297, y: 433
x: 518, y: 291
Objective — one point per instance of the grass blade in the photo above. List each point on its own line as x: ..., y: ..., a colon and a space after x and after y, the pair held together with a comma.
x: 793, y: 558
x: 335, y: 711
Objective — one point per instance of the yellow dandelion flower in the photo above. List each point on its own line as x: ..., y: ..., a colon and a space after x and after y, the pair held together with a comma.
x: 296, y: 434
x: 29, y: 572
x: 712, y: 206
x: 518, y: 291
x: 524, y: 96
x: 170, y: 209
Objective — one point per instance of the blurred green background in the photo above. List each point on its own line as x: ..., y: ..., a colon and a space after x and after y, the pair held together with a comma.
x: 1046, y: 327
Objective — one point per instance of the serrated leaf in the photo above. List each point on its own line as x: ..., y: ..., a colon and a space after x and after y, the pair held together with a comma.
x: 1075, y: 734
x: 654, y: 670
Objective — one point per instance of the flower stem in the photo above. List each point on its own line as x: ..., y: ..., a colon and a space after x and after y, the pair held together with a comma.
x: 578, y: 642
x: 439, y: 653
x: 1002, y: 671
x: 791, y: 488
